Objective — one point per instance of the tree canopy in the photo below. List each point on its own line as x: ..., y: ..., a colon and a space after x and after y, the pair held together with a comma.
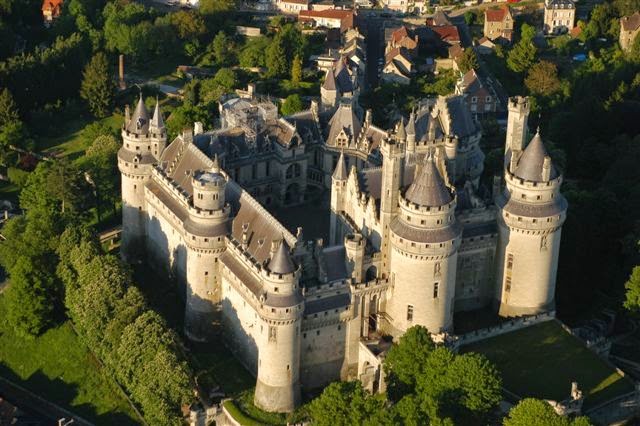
x: 535, y: 412
x: 98, y: 86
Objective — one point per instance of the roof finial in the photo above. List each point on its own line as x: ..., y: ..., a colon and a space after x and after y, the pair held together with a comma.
x: 216, y: 164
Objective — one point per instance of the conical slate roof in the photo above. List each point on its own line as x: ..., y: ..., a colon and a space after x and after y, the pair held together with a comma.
x: 428, y: 189
x: 340, y: 173
x: 530, y: 163
x: 401, y: 134
x: 157, y: 121
x: 329, y: 81
x: 281, y: 262
x: 411, y: 126
x: 139, y: 123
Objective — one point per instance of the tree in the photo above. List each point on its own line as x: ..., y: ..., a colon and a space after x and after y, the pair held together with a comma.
x: 468, y: 61
x: 276, y: 59
x: 29, y: 297
x: 523, y: 54
x: 344, y: 404
x: 221, y: 48
x: 209, y: 7
x: 543, y: 79
x: 296, y: 71
x: 12, y: 130
x: 188, y: 24
x: 469, y: 17
x: 101, y: 171
x: 632, y: 302
x: 535, y: 412
x: 291, y: 105
x: 97, y: 85
x: 406, y: 359
x: 254, y: 51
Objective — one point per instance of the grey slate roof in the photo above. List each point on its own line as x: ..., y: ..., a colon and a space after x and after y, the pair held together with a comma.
x: 429, y: 188
x: 401, y: 133
x: 157, y: 120
x: 326, y: 303
x: 139, y: 123
x: 329, y: 81
x: 461, y: 119
x: 340, y: 173
x: 344, y: 118
x: 530, y: 163
x: 281, y: 262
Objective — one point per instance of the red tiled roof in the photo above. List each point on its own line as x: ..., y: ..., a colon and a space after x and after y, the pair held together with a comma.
x: 345, y: 16
x: 630, y: 23
x: 399, y: 34
x: 447, y: 33
x: 51, y: 4
x: 497, y: 14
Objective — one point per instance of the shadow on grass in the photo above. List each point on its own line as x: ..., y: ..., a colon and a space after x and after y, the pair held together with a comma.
x: 58, y: 392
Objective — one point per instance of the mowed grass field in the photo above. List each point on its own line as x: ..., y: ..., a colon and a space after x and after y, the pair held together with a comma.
x: 542, y: 360
x: 58, y: 367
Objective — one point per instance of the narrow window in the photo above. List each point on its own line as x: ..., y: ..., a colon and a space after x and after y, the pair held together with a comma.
x: 410, y: 313
x: 272, y: 333
x: 435, y: 290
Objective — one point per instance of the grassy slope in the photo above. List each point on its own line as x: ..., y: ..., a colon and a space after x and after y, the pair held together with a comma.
x: 59, y: 368
x: 69, y: 142
x: 542, y: 361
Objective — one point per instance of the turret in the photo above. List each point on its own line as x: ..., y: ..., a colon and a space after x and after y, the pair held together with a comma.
x: 139, y: 152
x: 354, y: 245
x: 531, y: 213
x: 393, y: 162
x: 205, y: 228
x: 338, y: 188
x: 411, y: 133
x: 519, y: 108
x: 281, y: 309
x: 157, y: 132
x: 425, y: 237
x: 329, y: 91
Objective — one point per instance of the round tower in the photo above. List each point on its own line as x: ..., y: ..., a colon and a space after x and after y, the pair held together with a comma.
x: 281, y: 310
x: 205, y: 229
x: 425, y: 237
x: 530, y: 217
x: 142, y: 145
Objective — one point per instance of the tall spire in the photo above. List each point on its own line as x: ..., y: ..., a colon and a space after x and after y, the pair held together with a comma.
x: 429, y: 188
x: 157, y: 122
x: 139, y: 123
x: 329, y: 80
x: 401, y: 134
x: 411, y: 125
x: 216, y: 164
x: 340, y: 173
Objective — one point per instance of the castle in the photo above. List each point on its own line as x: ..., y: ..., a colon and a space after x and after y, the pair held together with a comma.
x: 413, y: 236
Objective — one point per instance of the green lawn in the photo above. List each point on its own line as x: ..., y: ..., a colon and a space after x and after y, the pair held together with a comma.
x: 68, y: 142
x: 59, y: 368
x: 542, y: 360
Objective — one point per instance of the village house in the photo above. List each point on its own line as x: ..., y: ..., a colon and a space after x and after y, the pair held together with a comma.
x: 480, y: 98
x: 629, y: 27
x: 51, y: 9
x: 329, y: 18
x: 559, y: 16
x: 292, y: 7
x: 498, y: 24
x: 398, y: 66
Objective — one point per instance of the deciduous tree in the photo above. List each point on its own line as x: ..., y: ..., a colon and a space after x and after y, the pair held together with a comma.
x: 291, y: 105
x: 542, y: 79
x: 535, y: 412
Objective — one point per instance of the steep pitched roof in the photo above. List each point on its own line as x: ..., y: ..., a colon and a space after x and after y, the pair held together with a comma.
x: 448, y: 33
x: 630, y: 23
x: 497, y: 14
x: 401, y: 133
x: 281, y: 262
x: 157, y: 120
x: 438, y: 19
x: 429, y: 189
x: 340, y: 173
x: 344, y: 118
x: 329, y: 81
x: 51, y: 4
x: 139, y: 123
x: 531, y: 162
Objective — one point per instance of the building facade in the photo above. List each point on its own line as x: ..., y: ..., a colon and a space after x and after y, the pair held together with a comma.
x: 413, y: 237
x: 498, y: 24
x: 629, y: 28
x: 559, y: 16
